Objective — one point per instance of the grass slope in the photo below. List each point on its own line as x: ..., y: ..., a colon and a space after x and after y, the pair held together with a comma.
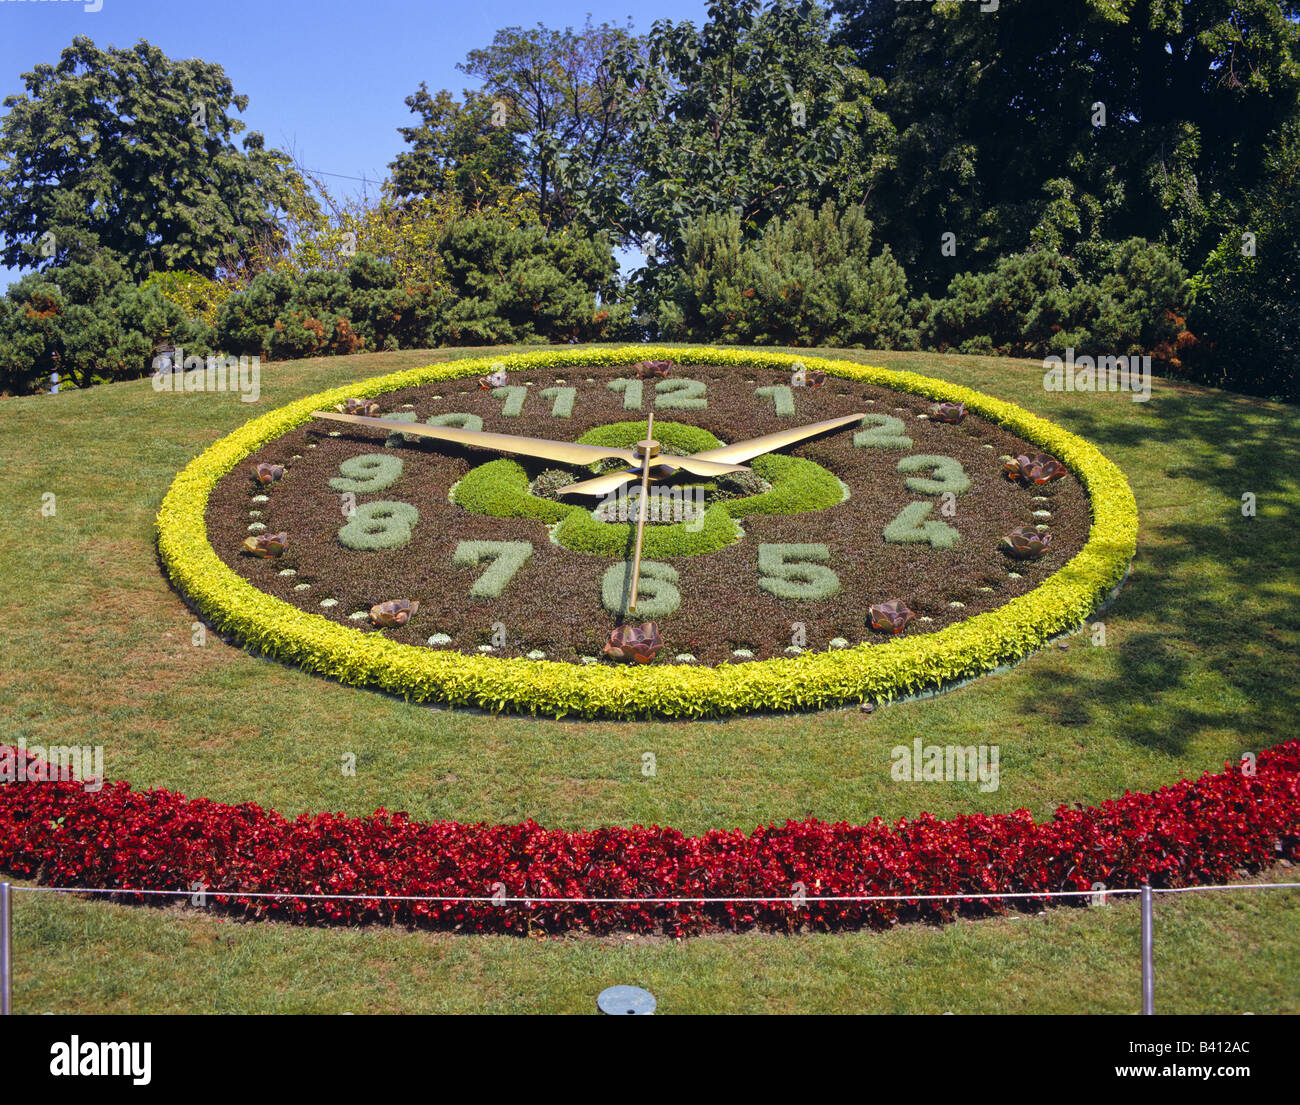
x: 1198, y: 646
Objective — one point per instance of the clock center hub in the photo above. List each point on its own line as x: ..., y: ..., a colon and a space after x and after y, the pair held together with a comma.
x: 647, y: 449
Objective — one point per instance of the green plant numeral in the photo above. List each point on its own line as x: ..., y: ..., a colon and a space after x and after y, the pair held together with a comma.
x: 632, y: 390
x: 507, y: 558
x: 680, y: 395
x: 911, y: 528
x: 883, y: 431
x: 780, y: 394
x: 368, y: 472
x: 656, y: 592
x: 396, y: 440
x: 463, y: 421
x: 379, y: 525
x: 948, y: 475
x: 514, y: 400
x: 795, y: 571
x: 563, y: 405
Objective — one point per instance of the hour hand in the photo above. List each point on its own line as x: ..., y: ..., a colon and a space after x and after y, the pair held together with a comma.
x: 757, y: 446
x: 566, y: 452
x: 662, y: 466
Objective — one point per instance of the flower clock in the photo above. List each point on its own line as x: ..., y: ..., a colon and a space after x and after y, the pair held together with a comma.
x: 646, y: 532
x: 636, y: 532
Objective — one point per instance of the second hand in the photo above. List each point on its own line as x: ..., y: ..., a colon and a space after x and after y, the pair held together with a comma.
x: 641, y: 511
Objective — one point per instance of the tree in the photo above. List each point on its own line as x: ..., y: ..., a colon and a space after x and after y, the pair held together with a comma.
x: 456, y: 149
x: 1246, y: 296
x: 753, y: 113
x: 559, y: 103
x: 544, y: 117
x: 129, y: 154
x: 996, y: 109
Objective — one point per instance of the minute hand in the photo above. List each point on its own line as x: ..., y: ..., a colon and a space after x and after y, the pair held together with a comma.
x: 567, y: 452
x: 757, y: 446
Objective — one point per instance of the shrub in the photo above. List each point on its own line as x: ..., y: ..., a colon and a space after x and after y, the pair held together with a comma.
x: 89, y: 324
x: 1186, y: 834
x: 199, y: 297
x: 1026, y: 305
x: 512, y: 283
x: 797, y: 485
x: 362, y: 306
x: 810, y: 279
x: 500, y: 488
x: 675, y: 436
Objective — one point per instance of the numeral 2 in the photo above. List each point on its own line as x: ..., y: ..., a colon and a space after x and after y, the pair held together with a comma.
x: 681, y: 395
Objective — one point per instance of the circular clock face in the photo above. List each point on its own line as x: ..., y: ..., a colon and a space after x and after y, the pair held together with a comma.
x: 506, y: 557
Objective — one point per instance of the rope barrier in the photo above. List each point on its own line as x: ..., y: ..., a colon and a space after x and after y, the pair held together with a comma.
x: 799, y: 900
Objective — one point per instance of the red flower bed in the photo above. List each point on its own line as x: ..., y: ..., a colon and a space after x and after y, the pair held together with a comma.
x: 1191, y: 832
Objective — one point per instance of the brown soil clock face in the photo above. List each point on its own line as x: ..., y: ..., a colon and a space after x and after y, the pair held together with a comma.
x: 785, y: 556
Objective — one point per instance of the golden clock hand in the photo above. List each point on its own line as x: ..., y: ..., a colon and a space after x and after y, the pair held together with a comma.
x: 667, y: 465
x: 602, y: 485
x: 697, y: 465
x: 757, y: 446
x: 705, y: 463
x: 641, y: 516
x: 564, y: 451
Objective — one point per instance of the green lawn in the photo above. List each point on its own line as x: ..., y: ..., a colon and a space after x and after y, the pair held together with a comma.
x: 1197, y: 667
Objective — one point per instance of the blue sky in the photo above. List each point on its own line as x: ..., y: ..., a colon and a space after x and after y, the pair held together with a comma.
x: 326, y: 79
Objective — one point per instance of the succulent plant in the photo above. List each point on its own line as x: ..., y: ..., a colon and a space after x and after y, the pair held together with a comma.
x: 268, y: 473
x: 892, y: 615
x: 266, y: 545
x: 1026, y: 543
x: 1036, y: 468
x: 637, y: 644
x: 497, y: 379
x: 366, y: 408
x: 653, y: 369
x: 395, y: 612
x: 948, y: 412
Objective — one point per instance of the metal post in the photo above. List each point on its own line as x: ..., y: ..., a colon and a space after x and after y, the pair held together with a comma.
x: 1148, y: 955
x: 6, y: 948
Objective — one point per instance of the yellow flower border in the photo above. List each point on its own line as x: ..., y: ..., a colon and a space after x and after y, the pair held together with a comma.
x: 875, y: 672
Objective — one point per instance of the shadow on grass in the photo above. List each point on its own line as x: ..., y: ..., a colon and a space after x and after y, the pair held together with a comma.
x: 1214, y: 600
